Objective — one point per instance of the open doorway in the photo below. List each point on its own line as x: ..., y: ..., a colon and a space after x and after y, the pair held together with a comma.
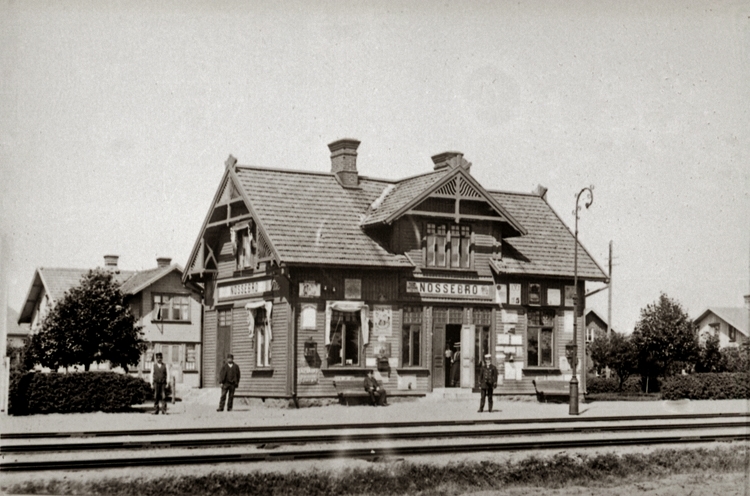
x: 453, y: 343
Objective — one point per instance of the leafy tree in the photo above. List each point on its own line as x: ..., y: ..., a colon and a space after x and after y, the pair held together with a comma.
x: 665, y: 340
x: 616, y: 352
x: 737, y: 359
x: 91, y: 323
x: 710, y: 358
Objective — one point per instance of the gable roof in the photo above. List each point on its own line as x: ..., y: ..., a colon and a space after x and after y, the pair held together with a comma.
x: 593, y: 315
x: 549, y: 246
x: 309, y: 218
x: 56, y: 281
x: 734, y: 316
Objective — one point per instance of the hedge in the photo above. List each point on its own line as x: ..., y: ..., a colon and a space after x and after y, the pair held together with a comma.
x: 77, y: 392
x: 708, y: 386
x: 599, y: 385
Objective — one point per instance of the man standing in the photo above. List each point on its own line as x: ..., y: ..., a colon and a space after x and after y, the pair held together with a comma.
x: 159, y: 381
x: 487, y: 381
x: 229, y: 377
x: 372, y: 387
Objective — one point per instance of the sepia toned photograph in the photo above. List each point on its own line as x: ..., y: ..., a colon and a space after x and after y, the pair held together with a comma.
x: 375, y: 248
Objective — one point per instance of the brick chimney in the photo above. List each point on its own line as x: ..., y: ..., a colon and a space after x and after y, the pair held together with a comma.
x: 541, y: 191
x: 450, y: 159
x: 163, y: 262
x: 110, y: 261
x: 344, y: 161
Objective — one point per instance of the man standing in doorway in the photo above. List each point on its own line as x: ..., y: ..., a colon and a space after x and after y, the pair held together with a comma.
x: 487, y: 381
x: 229, y: 378
x: 159, y: 381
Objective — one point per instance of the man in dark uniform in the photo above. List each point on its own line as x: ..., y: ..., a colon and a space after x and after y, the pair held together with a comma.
x: 159, y: 381
x: 372, y: 387
x: 487, y: 381
x: 229, y: 378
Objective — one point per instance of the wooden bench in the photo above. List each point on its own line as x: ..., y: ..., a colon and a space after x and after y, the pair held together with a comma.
x: 552, y: 391
x: 352, y: 389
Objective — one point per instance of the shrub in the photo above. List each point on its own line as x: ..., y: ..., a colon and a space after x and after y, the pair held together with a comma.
x: 602, y: 385
x: 37, y: 392
x: 708, y: 386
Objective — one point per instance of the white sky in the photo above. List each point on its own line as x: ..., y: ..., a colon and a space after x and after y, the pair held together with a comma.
x: 116, y: 120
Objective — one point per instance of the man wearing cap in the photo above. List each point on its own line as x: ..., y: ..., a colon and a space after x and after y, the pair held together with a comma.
x: 229, y: 378
x: 487, y: 381
x: 159, y: 381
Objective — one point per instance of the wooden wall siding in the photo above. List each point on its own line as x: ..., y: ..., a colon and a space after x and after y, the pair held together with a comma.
x: 375, y: 284
x: 245, y: 353
x: 209, y: 349
x: 326, y: 376
x: 170, y: 332
x: 226, y: 259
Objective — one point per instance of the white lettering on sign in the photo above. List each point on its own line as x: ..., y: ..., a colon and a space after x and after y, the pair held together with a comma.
x: 451, y: 289
x: 245, y: 288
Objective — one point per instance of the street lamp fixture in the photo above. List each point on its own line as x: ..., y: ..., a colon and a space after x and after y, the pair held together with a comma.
x: 573, y: 410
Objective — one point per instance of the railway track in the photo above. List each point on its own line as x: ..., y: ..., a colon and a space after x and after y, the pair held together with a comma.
x: 385, y: 441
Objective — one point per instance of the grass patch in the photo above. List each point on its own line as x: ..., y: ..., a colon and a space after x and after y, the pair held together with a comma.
x: 407, y: 478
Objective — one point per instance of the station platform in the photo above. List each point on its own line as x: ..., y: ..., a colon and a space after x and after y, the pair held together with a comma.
x: 197, y: 408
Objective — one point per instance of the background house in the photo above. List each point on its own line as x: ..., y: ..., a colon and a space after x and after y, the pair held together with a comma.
x: 16, y: 335
x: 729, y: 323
x: 169, y: 312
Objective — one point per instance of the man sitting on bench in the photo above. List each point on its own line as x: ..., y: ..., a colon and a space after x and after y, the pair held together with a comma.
x: 372, y: 387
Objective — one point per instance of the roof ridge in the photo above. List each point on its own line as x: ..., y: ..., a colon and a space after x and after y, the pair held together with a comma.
x: 505, y: 192
x: 331, y: 174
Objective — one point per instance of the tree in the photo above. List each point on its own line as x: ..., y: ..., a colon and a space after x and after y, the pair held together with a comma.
x: 665, y: 339
x: 616, y: 352
x: 91, y: 323
x: 710, y: 358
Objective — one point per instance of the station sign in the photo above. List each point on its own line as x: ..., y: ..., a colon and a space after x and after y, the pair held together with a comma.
x: 249, y: 288
x: 450, y: 289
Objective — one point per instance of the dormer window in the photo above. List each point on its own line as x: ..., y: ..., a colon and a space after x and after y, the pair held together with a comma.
x: 448, y: 245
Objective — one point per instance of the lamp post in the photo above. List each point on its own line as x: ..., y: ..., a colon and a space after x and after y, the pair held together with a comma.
x: 573, y: 410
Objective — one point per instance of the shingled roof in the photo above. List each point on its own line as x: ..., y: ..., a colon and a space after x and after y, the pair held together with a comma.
x: 310, y: 219
x: 548, y: 248
x: 734, y: 316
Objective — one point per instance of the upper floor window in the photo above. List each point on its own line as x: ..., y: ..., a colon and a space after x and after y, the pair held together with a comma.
x: 590, y: 334
x: 243, y: 245
x: 171, y: 307
x: 732, y: 334
x: 448, y: 245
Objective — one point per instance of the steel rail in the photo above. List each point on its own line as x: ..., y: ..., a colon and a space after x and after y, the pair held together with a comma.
x: 361, y: 453
x: 377, y: 425
x: 360, y: 437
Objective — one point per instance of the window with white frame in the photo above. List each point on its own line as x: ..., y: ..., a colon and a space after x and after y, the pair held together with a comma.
x: 540, y: 338
x: 244, y: 245
x: 262, y: 341
x: 590, y: 334
x: 344, y: 338
x: 448, y: 245
x: 190, y: 356
x: 171, y: 307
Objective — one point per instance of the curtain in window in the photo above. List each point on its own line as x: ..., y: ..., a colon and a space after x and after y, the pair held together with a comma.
x: 347, y: 306
x: 252, y: 308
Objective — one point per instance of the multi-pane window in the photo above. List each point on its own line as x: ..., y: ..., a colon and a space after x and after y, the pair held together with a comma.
x: 344, y: 332
x: 732, y: 334
x: 448, y: 246
x: 411, y: 337
x: 590, y: 334
x: 171, y: 307
x: 540, y: 338
x: 263, y: 344
x: 190, y: 357
x: 244, y: 246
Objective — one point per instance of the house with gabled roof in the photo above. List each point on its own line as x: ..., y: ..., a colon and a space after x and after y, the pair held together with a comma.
x: 311, y: 279
x: 169, y: 312
x: 730, y: 324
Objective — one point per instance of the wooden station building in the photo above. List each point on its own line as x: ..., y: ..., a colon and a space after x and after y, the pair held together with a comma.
x: 311, y: 278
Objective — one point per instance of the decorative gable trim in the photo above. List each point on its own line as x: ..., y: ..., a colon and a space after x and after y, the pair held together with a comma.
x: 459, y: 185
